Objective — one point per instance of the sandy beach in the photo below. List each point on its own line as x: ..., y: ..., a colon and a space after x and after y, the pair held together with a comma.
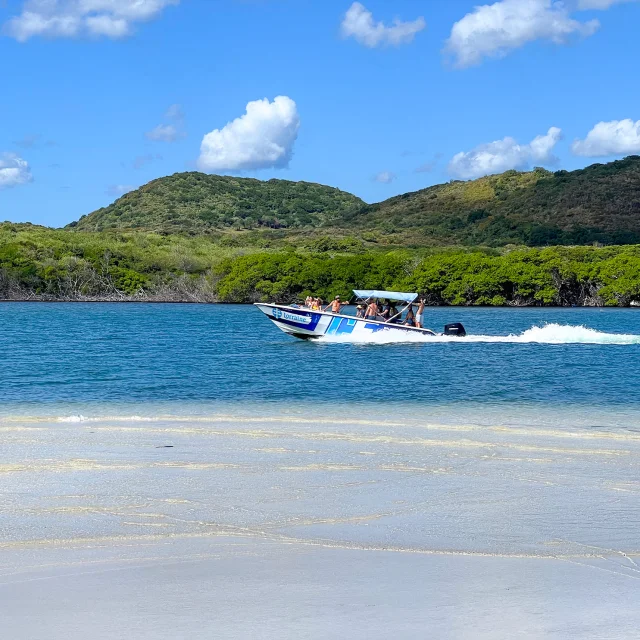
x: 273, y: 525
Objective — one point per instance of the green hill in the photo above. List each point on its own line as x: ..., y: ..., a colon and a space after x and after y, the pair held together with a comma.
x: 198, y: 203
x: 600, y: 203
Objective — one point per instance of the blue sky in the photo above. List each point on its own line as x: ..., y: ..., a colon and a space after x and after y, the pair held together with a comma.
x: 104, y: 95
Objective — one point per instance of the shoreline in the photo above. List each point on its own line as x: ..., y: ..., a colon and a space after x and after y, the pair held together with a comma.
x: 212, y: 302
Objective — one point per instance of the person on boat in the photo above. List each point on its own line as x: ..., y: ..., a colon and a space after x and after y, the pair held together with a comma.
x: 420, y: 313
x: 385, y: 312
x: 336, y: 305
x: 372, y: 311
x: 410, y: 319
x: 360, y: 311
x: 308, y: 302
x: 394, y: 315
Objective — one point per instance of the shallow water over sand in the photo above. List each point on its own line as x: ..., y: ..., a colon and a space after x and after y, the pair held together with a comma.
x: 160, y: 489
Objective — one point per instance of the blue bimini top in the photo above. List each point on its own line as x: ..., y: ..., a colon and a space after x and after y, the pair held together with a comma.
x: 389, y: 295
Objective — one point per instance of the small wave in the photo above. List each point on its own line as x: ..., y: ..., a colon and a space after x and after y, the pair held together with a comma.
x: 547, y: 334
x: 80, y: 418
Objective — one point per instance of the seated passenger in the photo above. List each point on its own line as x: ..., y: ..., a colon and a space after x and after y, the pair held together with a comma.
x: 394, y: 315
x: 410, y: 319
x: 385, y: 314
x: 360, y: 311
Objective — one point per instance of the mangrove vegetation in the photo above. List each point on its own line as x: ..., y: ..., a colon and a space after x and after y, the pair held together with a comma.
x: 37, y: 263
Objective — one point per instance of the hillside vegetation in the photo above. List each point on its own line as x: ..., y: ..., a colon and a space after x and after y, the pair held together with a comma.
x: 198, y: 203
x: 600, y: 203
x: 193, y: 237
x: 37, y: 263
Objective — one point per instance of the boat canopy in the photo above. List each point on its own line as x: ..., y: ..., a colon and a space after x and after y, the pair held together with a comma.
x: 389, y: 295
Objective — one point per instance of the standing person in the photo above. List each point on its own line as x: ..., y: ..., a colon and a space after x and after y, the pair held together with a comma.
x: 336, y: 305
x: 419, y: 314
x: 372, y: 311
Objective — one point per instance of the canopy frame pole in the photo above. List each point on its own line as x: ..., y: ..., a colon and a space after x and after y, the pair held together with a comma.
x: 399, y: 313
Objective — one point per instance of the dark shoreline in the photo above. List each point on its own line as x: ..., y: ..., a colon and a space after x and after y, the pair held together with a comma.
x: 198, y: 302
x: 106, y: 301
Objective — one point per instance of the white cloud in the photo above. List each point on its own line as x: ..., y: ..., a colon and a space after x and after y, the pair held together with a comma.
x: 600, y: 4
x: 262, y: 138
x: 118, y: 190
x: 501, y: 155
x: 617, y: 137
x: 385, y: 177
x: 169, y: 132
x: 174, y: 112
x: 163, y: 133
x: 359, y: 24
x: 29, y: 141
x: 491, y: 31
x: 13, y: 170
x: 430, y: 165
x: 71, y: 18
x: 141, y: 161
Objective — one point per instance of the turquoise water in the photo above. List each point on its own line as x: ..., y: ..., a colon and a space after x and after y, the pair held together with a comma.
x: 193, y: 356
x: 194, y: 459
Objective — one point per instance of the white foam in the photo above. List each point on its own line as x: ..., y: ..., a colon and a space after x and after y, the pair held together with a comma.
x: 548, y: 334
x: 81, y: 418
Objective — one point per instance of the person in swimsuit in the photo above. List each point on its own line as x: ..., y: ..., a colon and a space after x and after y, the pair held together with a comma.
x: 419, y: 314
x: 410, y: 319
x: 372, y: 311
x: 394, y: 316
x: 336, y: 305
x: 360, y: 311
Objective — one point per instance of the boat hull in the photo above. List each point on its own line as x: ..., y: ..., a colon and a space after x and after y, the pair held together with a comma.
x: 307, y: 324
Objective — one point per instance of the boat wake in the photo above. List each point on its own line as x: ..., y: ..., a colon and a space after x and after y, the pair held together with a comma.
x: 547, y: 334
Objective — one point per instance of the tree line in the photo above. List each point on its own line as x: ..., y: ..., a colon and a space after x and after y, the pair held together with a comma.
x: 44, y: 264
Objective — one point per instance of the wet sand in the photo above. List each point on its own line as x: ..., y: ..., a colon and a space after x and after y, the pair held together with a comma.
x: 239, y: 588
x: 270, y: 525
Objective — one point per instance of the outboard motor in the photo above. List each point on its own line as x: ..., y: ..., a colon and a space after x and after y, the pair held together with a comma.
x: 454, y: 329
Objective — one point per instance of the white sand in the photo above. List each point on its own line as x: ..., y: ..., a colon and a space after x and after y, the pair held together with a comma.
x: 270, y: 527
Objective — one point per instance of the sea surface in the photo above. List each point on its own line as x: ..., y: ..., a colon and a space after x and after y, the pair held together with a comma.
x: 172, y: 470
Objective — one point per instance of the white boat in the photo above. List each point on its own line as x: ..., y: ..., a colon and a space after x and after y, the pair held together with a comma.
x: 302, y: 322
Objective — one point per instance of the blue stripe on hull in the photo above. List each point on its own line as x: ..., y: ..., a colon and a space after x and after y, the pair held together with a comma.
x: 341, y: 326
